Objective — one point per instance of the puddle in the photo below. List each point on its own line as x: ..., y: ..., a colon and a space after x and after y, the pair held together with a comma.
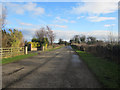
x: 75, y: 60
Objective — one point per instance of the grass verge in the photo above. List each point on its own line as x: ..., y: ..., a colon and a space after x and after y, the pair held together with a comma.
x: 105, y: 71
x: 54, y: 48
x: 16, y: 58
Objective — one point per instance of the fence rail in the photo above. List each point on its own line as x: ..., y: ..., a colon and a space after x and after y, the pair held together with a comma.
x: 11, y: 52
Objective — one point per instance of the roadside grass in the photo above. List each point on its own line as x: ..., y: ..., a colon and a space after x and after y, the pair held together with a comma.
x: 20, y: 57
x: 54, y: 48
x: 104, y: 70
x: 16, y: 58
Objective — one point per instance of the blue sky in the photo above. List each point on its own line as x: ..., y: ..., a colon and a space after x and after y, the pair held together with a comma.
x: 65, y: 18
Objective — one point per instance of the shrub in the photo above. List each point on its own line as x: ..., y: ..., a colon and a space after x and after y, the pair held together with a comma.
x: 53, y: 46
x: 110, y: 52
x: 34, y: 44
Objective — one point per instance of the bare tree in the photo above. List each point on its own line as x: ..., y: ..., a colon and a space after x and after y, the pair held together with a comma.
x: 2, y: 22
x: 41, y: 33
x: 3, y: 17
x: 77, y: 38
x: 83, y: 38
x: 51, y: 35
x: 110, y: 37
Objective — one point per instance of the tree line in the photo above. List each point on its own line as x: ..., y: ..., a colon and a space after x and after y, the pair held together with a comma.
x: 12, y: 38
x: 83, y: 39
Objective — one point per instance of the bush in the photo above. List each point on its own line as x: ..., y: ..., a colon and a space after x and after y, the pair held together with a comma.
x: 34, y: 44
x: 53, y: 46
x: 110, y: 52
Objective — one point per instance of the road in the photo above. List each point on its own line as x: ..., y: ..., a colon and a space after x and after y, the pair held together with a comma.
x: 61, y: 68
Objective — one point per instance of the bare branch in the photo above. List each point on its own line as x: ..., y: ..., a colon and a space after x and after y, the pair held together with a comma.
x: 51, y: 35
x: 3, y: 16
x: 41, y: 33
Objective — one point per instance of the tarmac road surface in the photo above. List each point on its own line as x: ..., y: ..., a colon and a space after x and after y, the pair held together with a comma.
x: 61, y: 68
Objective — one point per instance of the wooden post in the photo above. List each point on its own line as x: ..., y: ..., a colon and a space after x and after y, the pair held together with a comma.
x: 25, y: 51
x: 11, y: 52
x: 42, y: 48
x: 0, y: 54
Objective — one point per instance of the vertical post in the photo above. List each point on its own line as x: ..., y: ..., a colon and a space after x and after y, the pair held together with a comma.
x: 31, y: 47
x: 42, y: 48
x: 25, y: 51
x: 0, y: 54
x: 11, y: 52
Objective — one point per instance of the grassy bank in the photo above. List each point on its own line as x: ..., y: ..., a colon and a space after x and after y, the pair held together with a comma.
x: 16, y: 58
x: 105, y: 71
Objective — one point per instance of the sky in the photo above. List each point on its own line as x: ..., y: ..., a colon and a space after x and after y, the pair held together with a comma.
x: 65, y: 18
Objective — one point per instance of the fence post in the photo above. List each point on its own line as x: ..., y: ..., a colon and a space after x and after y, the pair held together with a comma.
x: 30, y: 47
x: 43, y: 48
x: 25, y: 51
x: 0, y: 54
x: 11, y: 52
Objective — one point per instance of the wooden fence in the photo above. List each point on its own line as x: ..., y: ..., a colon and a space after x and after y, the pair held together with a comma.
x: 11, y: 52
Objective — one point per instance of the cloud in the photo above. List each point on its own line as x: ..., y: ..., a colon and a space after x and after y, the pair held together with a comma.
x: 38, y: 11
x: 18, y: 9
x: 48, y: 15
x: 109, y: 25
x: 26, y: 24
x: 59, y: 0
x: 99, y: 34
x: 30, y: 6
x: 22, y: 8
x: 72, y: 21
x: 95, y: 7
x: 28, y: 34
x: 58, y: 19
x: 99, y: 0
x: 98, y: 19
x: 67, y: 34
x: 60, y: 26
x: 80, y: 17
